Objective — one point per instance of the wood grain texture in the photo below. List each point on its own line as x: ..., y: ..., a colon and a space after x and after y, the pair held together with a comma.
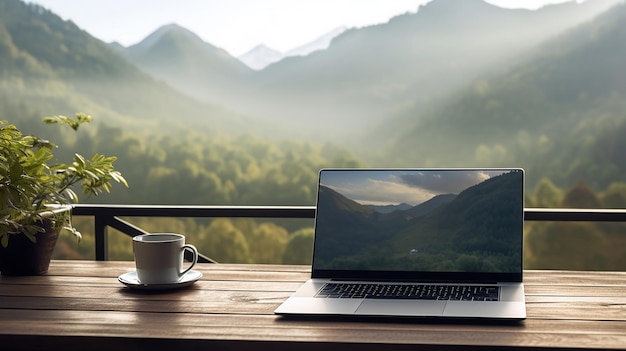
x: 80, y: 305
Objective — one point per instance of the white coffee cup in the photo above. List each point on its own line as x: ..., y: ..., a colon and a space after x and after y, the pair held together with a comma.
x: 159, y: 257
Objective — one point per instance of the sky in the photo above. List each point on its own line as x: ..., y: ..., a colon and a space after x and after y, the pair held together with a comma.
x: 238, y: 25
x: 380, y: 187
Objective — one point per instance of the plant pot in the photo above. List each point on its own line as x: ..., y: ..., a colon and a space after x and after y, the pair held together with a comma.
x: 23, y: 257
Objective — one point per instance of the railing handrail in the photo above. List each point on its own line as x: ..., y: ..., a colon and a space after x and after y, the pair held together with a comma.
x: 530, y: 214
x: 575, y: 214
x: 195, y: 211
x: 108, y: 215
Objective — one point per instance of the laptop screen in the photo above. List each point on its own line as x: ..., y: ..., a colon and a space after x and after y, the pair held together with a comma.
x: 419, y: 223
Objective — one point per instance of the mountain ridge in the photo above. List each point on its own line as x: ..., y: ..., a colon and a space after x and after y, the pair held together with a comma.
x: 49, y: 57
x: 262, y: 56
x: 181, y: 58
x: 557, y: 89
x: 362, y: 77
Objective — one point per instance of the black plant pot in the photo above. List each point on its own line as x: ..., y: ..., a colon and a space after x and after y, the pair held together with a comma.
x: 23, y: 257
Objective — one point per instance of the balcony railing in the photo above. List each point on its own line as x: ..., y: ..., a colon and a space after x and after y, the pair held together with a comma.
x: 109, y: 216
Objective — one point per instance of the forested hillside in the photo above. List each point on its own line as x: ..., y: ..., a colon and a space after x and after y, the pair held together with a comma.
x: 51, y: 65
x: 196, y: 68
x: 367, y: 73
x: 560, y: 114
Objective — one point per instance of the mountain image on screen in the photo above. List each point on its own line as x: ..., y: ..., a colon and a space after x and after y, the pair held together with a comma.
x: 478, y: 230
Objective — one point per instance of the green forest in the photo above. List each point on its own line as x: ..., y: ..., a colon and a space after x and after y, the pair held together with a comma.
x: 548, y: 97
x: 260, y: 172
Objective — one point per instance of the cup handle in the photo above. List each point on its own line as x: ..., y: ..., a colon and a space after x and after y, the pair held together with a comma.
x: 194, y: 260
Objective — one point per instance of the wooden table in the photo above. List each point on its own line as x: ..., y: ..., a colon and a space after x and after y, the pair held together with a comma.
x: 80, y: 305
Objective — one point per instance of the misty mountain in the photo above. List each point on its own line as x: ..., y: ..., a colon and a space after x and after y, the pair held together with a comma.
x: 554, y: 106
x: 51, y: 66
x: 117, y: 47
x: 32, y: 37
x: 569, y: 89
x: 321, y: 43
x: 181, y: 58
x: 363, y: 76
x: 262, y: 56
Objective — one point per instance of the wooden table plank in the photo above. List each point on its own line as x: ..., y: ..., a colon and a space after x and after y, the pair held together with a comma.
x: 265, y: 302
x: 266, y: 328
x: 81, y: 303
x: 575, y: 278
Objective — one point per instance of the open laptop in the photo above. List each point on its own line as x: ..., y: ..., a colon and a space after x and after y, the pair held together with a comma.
x: 416, y: 243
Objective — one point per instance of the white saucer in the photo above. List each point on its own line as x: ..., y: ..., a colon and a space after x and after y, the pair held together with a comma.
x: 130, y: 280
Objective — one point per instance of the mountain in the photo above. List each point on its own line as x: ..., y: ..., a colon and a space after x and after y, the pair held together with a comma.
x: 570, y: 89
x: 389, y: 208
x: 50, y: 66
x: 260, y: 57
x: 460, y: 84
x: 415, y: 211
x: 184, y: 60
x: 119, y: 48
x: 321, y: 43
x: 337, y: 204
x: 363, y: 224
x: 364, y: 76
x: 466, y: 234
x: 430, y: 205
x: 35, y: 37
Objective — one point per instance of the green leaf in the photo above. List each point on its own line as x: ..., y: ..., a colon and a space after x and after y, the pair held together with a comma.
x: 117, y: 176
x: 83, y: 118
x: 31, y: 237
x: 71, y: 195
x: 100, y: 172
x: 73, y: 123
x: 63, y: 120
x: 80, y: 161
x: 74, y: 231
x: 91, y: 174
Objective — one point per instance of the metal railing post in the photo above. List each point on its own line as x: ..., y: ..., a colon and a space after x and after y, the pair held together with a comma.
x: 102, y: 238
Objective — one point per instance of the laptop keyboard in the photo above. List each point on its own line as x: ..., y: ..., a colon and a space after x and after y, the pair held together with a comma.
x: 410, y: 291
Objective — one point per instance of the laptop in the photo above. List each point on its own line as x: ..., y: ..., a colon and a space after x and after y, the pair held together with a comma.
x: 416, y: 243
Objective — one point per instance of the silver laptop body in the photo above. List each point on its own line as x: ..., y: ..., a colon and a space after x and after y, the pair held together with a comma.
x: 416, y: 243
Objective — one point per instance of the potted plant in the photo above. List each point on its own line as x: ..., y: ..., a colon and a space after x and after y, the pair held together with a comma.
x: 36, y: 197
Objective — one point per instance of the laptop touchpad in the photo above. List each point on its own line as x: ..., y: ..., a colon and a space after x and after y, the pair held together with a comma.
x: 401, y: 307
